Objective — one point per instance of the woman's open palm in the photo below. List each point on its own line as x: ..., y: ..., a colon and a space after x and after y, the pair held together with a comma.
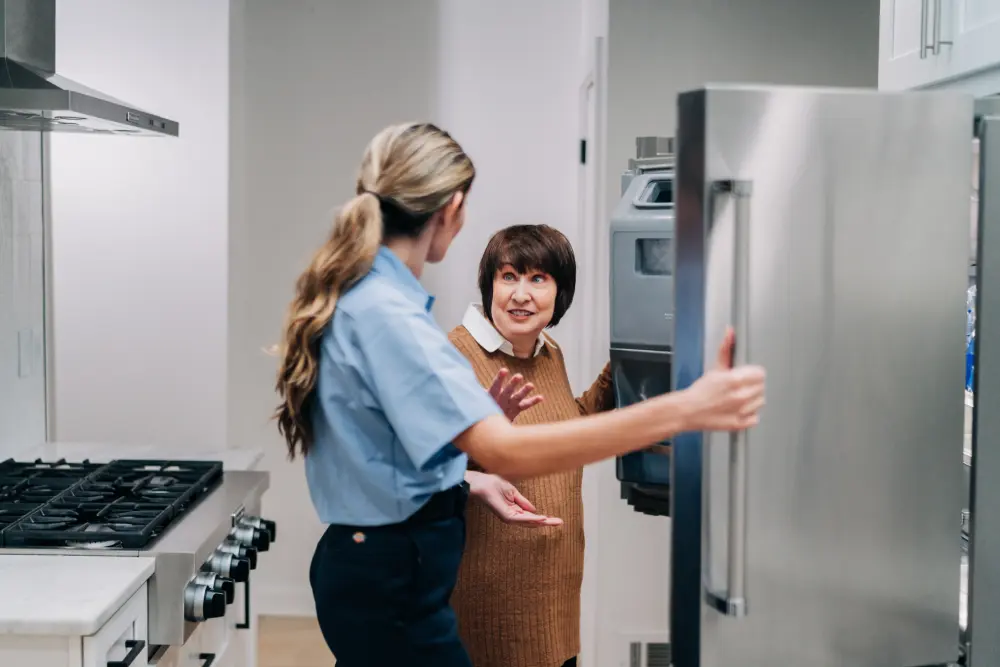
x: 513, y: 395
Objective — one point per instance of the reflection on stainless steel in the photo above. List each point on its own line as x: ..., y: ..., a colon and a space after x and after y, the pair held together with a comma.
x: 855, y: 276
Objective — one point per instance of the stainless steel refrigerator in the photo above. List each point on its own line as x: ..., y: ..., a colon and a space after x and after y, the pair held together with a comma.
x: 829, y: 227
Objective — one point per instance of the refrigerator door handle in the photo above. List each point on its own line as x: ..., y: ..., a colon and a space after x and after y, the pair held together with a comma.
x: 924, y: 48
x: 938, y: 42
x: 733, y: 600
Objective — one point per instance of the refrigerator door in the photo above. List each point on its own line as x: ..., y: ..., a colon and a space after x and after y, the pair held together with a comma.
x: 829, y: 227
x: 984, y: 535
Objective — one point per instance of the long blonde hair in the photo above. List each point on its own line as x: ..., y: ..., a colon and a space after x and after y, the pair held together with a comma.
x: 408, y: 173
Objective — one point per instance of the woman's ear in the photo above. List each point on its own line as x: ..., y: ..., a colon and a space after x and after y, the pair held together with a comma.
x: 452, y: 213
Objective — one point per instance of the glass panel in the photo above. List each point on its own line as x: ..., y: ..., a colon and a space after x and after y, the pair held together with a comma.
x: 654, y: 257
x: 22, y: 293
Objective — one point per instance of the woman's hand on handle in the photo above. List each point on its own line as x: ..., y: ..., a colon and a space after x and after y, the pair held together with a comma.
x: 727, y: 398
x: 723, y: 399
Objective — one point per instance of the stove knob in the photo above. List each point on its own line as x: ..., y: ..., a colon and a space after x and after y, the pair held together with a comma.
x: 251, y: 537
x: 217, y: 582
x: 202, y: 603
x: 262, y: 524
x: 228, y: 565
x: 241, y: 551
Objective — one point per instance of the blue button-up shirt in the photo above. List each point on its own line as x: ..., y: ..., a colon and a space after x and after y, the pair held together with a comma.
x: 391, y: 395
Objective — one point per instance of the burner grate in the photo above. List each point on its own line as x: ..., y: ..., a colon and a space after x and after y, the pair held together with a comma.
x: 38, y: 482
x: 123, y: 504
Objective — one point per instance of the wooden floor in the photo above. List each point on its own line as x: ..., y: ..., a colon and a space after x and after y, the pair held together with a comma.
x: 291, y: 642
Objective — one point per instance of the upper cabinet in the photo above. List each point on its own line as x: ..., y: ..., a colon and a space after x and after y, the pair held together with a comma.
x: 927, y: 42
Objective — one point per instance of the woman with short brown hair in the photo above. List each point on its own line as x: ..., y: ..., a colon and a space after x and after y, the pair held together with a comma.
x: 518, y: 592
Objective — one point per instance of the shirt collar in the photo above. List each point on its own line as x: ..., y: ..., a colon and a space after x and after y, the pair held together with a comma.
x: 389, y: 265
x: 489, y: 338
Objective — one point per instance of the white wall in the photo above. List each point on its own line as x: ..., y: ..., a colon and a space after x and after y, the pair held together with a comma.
x: 508, y: 92
x: 140, y: 228
x: 328, y: 75
x: 657, y: 49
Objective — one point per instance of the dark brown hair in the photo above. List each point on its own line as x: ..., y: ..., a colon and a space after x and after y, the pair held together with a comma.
x: 530, y: 248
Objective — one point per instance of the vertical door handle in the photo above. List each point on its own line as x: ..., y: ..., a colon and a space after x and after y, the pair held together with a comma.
x: 923, y: 29
x: 246, y: 607
x: 937, y: 27
x: 732, y: 600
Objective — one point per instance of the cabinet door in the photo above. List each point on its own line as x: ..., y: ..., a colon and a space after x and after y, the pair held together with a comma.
x: 241, y: 648
x: 40, y: 651
x: 905, y: 34
x: 234, y: 655
x: 119, y: 636
x: 973, y: 27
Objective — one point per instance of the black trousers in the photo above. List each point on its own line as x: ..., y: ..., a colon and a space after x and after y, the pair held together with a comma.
x: 570, y: 663
x: 382, y: 593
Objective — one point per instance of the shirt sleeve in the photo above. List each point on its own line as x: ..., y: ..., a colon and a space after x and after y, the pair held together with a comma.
x: 601, y: 395
x: 426, y: 388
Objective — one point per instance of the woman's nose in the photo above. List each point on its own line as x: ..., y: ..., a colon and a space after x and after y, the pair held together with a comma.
x: 521, y: 293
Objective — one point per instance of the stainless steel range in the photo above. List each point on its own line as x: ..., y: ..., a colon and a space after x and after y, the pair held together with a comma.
x: 201, y: 525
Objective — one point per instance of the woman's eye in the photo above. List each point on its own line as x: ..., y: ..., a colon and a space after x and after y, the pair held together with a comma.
x: 509, y: 277
x: 538, y: 279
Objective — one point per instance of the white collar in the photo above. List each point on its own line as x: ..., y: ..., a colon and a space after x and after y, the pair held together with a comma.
x: 489, y: 338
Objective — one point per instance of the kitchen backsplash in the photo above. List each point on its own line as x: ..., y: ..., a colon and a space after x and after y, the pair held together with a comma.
x: 22, y: 292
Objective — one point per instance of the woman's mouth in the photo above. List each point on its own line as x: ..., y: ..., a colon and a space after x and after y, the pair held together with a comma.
x: 519, y: 314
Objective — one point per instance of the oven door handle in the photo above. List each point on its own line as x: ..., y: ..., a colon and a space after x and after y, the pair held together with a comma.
x: 245, y: 625
x: 135, y: 647
x: 209, y: 658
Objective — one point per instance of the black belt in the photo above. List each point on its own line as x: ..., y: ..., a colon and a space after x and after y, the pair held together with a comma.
x: 442, y: 505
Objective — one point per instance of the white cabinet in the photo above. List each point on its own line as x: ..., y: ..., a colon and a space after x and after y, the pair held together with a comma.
x: 905, y: 59
x: 928, y: 42
x: 975, y: 34
x: 121, y: 639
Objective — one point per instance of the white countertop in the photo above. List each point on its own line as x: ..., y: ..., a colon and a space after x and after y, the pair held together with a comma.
x: 66, y: 595
x: 232, y: 459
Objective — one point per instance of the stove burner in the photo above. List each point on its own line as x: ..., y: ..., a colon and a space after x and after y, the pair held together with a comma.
x: 107, y: 544
x: 55, y: 504
x: 161, y: 480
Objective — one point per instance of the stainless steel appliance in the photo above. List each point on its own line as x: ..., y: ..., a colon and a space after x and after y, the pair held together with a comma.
x: 34, y: 97
x: 981, y: 569
x: 642, y: 309
x: 822, y: 225
x: 201, y: 524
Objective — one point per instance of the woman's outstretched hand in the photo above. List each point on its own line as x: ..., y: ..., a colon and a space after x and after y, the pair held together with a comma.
x: 727, y: 398
x: 512, y: 395
x: 505, y: 501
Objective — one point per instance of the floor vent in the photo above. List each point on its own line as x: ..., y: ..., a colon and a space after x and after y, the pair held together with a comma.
x: 649, y: 654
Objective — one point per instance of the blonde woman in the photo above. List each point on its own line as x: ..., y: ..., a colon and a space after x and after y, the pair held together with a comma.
x: 385, y: 411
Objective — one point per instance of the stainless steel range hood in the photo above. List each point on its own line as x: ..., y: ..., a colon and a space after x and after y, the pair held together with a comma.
x: 33, y: 97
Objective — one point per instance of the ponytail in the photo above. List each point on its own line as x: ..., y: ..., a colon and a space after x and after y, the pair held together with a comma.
x: 408, y: 172
x: 345, y: 258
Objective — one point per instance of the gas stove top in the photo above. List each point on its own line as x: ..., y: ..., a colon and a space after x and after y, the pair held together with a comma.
x: 125, y: 504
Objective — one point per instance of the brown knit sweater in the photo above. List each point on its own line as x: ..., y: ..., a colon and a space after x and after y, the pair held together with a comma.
x: 518, y: 593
